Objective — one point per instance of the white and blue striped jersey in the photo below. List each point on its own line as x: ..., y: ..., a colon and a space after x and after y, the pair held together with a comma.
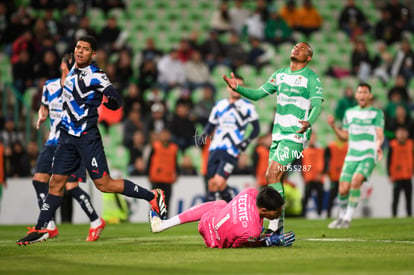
x: 231, y: 120
x: 82, y: 95
x: 51, y: 98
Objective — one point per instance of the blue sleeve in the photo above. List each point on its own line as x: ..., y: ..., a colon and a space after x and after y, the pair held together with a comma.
x: 114, y: 98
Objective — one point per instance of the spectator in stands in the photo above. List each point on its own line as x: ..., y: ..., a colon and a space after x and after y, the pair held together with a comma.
x: 187, y: 167
x: 131, y: 124
x: 277, y: 31
x: 400, y: 14
x: 136, y: 165
x: 48, y: 66
x: 197, y: 72
x: 156, y: 121
x: 24, y: 42
x: 171, y: 73
x: 19, y: 161
x: 124, y: 72
x: 134, y: 99
x: 53, y: 26
x: 10, y: 134
x: 213, y: 50
x: 238, y: 16
x: 257, y: 56
x: 162, y: 164
x: 147, y: 74
x: 69, y: 22
x: 184, y: 50
x: 387, y: 29
x: 381, y: 63
x: 150, y: 51
x: 400, y: 87
x: 84, y: 28
x: 235, y: 52
x: 4, y: 21
x: 289, y: 13
x: 202, y: 108
x: 40, y: 30
x: 220, y: 19
x: 348, y: 100
x: 403, y: 62
x: 110, y: 35
x: 309, y: 19
x: 107, y: 6
x: 193, y: 40
x: 360, y: 61
x: 352, y: 20
x: 23, y: 73
x: 101, y: 58
x: 401, y: 119
x: 254, y: 26
x: 182, y: 127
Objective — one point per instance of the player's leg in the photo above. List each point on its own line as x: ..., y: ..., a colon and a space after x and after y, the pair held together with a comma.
x: 319, y: 196
x: 212, y: 168
x: 408, y: 188
x: 333, y: 193
x: 396, y: 188
x: 191, y: 215
x: 363, y: 171
x: 305, y: 199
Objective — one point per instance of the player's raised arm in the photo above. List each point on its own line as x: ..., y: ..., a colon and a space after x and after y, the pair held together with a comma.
x: 340, y: 133
x: 252, y: 94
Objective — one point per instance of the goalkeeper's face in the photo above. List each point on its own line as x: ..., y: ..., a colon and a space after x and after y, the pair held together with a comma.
x: 270, y: 214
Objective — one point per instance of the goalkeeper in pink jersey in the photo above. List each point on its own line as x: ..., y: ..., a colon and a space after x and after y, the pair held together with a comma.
x: 238, y: 223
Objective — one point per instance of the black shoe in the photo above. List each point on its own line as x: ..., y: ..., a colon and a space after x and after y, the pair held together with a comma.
x: 33, y: 236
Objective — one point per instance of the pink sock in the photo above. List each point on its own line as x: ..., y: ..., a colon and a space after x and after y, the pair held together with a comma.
x: 196, y: 212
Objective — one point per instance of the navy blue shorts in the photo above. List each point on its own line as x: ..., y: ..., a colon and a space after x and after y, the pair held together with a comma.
x: 220, y: 162
x: 44, y: 164
x: 74, y: 152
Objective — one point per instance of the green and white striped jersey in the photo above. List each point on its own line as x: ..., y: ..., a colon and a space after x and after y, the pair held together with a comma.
x: 361, y: 124
x: 294, y: 93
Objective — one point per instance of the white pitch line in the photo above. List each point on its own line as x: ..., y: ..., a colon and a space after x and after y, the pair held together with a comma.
x: 354, y: 240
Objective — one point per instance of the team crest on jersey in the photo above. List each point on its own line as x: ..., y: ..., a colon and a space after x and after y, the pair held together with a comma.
x: 83, y: 75
x: 252, y: 239
x: 298, y: 80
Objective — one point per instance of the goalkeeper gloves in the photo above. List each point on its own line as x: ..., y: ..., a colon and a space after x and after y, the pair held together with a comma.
x: 285, y: 239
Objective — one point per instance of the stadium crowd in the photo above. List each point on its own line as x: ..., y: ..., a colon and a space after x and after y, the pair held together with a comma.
x: 35, y: 34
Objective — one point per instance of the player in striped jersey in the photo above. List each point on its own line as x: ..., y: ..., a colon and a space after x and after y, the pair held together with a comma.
x: 363, y: 127
x: 299, y: 98
x: 80, y: 142
x: 229, y: 119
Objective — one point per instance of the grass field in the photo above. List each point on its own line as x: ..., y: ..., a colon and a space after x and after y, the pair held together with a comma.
x: 370, y: 246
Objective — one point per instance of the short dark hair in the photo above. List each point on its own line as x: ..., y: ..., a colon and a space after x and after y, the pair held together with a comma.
x: 90, y: 39
x: 364, y: 84
x: 269, y: 198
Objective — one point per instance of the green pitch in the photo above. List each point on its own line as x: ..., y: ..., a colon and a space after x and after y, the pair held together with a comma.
x: 370, y: 246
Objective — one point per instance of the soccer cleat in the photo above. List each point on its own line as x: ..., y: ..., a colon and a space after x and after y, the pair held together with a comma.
x: 335, y: 223
x: 155, y: 221
x: 344, y: 224
x: 33, y: 236
x: 158, y: 203
x: 53, y: 233
x: 94, y: 233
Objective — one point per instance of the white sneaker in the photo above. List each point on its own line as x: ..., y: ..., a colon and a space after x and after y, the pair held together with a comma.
x: 335, y: 223
x: 155, y: 222
x: 344, y: 224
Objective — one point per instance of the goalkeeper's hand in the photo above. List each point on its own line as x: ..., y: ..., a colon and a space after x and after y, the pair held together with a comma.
x: 285, y: 239
x: 243, y: 144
